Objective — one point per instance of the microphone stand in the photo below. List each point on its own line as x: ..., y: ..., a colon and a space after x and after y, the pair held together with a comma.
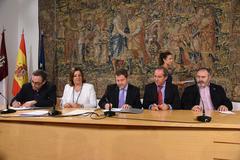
x: 109, y: 113
x: 203, y: 117
x: 7, y: 110
x: 53, y: 111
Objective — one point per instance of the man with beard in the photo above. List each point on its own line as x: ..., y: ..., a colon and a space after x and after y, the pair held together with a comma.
x: 37, y: 93
x: 205, y: 94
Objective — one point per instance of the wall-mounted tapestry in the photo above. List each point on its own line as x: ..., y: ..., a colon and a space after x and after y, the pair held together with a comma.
x: 101, y: 36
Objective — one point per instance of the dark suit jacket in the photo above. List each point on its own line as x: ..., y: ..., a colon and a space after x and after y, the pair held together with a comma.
x: 171, y: 95
x: 112, y: 93
x: 45, y: 97
x: 191, y: 97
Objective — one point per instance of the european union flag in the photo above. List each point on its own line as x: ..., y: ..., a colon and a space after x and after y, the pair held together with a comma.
x: 41, y: 54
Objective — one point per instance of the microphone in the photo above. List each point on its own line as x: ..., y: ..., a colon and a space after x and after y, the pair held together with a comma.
x: 53, y: 111
x: 203, y: 117
x: 109, y: 113
x: 7, y: 110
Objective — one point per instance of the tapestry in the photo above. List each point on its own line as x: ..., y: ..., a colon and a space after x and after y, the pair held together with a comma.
x: 101, y: 36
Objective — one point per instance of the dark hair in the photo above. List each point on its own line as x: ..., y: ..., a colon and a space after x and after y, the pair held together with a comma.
x: 162, y: 56
x: 40, y: 73
x: 206, y: 69
x: 122, y: 72
x: 71, y: 75
x: 165, y: 71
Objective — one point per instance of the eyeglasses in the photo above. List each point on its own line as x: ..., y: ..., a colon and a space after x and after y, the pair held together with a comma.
x: 36, y: 83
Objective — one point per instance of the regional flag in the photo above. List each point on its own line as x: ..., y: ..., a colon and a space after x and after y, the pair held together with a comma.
x: 20, y: 73
x: 3, y: 59
x: 3, y: 71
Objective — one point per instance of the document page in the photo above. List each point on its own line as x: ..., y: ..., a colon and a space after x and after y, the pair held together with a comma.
x: 34, y: 113
x: 25, y: 108
x: 78, y: 112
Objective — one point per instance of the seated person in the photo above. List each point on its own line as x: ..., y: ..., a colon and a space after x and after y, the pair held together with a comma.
x: 161, y: 94
x: 206, y: 94
x: 122, y: 94
x: 78, y: 93
x: 39, y: 92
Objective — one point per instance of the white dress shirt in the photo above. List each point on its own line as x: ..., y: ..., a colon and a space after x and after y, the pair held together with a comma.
x: 206, y: 100
x: 86, y: 96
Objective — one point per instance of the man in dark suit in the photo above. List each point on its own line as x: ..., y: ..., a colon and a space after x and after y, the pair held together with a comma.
x: 122, y: 94
x: 161, y: 95
x: 39, y: 92
x: 206, y: 94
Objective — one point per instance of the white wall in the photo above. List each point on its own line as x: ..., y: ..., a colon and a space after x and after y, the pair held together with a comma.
x: 16, y: 15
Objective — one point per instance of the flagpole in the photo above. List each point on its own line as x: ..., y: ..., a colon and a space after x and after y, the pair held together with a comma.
x: 4, y: 75
x: 53, y: 111
x: 4, y: 29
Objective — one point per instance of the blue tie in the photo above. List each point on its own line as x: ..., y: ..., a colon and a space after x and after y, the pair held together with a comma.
x: 121, y: 99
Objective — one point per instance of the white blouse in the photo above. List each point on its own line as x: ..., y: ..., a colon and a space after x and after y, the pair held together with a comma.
x: 86, y: 96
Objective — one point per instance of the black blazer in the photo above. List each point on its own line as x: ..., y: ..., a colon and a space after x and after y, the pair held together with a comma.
x: 171, y: 95
x: 45, y: 97
x: 191, y: 97
x: 112, y: 93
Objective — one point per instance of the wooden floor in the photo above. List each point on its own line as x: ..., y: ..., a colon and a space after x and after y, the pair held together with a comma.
x: 166, y: 135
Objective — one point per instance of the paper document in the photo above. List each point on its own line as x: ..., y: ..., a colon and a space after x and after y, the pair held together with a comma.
x: 227, y: 112
x: 25, y: 108
x: 130, y: 110
x: 34, y: 113
x: 78, y: 112
x: 113, y: 109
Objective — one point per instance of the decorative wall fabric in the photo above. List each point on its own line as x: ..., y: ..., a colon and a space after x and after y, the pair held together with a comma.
x: 101, y: 36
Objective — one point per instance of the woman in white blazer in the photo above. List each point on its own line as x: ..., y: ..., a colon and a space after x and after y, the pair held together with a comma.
x: 78, y: 93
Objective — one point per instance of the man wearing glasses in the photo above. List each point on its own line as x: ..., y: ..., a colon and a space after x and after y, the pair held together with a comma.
x: 38, y: 93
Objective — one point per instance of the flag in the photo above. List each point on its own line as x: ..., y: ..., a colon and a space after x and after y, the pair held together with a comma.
x: 41, y: 54
x: 3, y: 70
x: 20, y: 73
x: 3, y: 59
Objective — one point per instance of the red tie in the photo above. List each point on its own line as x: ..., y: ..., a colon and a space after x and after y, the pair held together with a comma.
x: 160, y: 97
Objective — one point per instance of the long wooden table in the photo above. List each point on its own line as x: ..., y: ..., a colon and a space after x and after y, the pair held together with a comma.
x: 165, y: 135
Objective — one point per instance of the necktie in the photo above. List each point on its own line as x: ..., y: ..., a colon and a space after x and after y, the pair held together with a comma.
x: 121, y: 99
x: 160, y: 97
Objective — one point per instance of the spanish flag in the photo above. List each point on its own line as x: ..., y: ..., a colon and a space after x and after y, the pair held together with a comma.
x: 20, y: 73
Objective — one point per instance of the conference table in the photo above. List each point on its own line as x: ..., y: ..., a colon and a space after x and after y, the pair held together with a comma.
x: 162, y: 135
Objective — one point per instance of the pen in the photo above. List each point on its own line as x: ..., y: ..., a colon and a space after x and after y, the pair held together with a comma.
x: 108, y: 103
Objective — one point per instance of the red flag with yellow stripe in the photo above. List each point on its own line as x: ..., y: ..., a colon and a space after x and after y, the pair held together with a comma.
x: 20, y: 73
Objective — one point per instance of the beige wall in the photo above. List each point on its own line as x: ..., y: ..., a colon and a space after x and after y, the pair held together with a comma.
x: 16, y: 15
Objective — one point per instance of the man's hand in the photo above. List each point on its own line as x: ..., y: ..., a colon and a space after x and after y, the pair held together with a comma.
x: 163, y: 107
x: 108, y: 106
x: 29, y: 103
x: 126, y: 106
x: 197, y: 108
x: 222, y: 108
x: 154, y: 107
x: 16, y: 104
